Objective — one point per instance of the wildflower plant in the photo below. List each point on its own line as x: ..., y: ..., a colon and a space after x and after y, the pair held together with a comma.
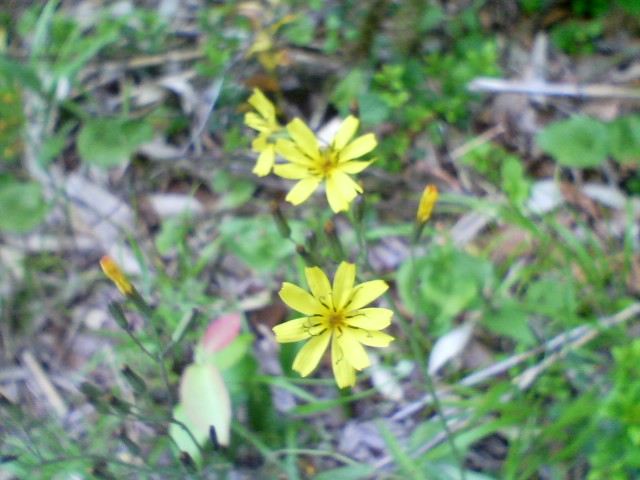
x: 305, y: 159
x: 335, y: 314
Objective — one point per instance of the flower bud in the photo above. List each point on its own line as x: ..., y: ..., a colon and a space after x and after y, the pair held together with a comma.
x: 308, y: 258
x: 281, y: 222
x: 334, y: 241
x: 427, y: 201
x: 134, y: 380
x: 113, y: 272
x: 187, y: 462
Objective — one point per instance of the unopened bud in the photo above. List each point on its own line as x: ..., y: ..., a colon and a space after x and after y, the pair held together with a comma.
x: 334, y: 241
x: 427, y: 201
x: 359, y: 206
x: 213, y: 436
x: 311, y: 240
x: 118, y: 405
x: 113, y: 272
x: 131, y: 446
x: 187, y: 462
x: 135, y: 381
x: 100, y: 470
x: 8, y: 458
x: 281, y: 222
x: 309, y: 260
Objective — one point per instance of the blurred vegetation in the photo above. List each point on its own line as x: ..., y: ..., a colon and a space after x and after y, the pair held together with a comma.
x: 403, y: 68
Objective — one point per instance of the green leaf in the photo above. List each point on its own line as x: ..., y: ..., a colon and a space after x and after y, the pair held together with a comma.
x: 22, y: 205
x: 206, y: 401
x: 630, y: 6
x: 576, y: 142
x: 256, y: 241
x: 350, y: 472
x: 373, y: 110
x: 301, y: 31
x: 514, y: 181
x: 109, y: 142
x: 511, y: 321
x: 442, y: 284
x: 24, y: 74
x: 624, y: 139
x: 347, y: 90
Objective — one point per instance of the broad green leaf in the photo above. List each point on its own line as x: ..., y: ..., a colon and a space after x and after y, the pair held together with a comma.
x: 624, y: 139
x: 442, y: 284
x: 576, y: 142
x: 206, y: 401
x: 510, y: 320
x: 348, y: 89
x: 22, y: 205
x: 109, y: 142
x: 256, y: 241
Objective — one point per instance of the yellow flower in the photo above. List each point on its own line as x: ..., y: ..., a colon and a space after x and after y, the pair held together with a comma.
x: 266, y: 123
x: 427, y: 201
x: 311, y: 164
x: 113, y: 272
x: 335, y: 313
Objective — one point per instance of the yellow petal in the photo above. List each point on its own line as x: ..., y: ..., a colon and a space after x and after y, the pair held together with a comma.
x: 360, y: 146
x: 319, y: 285
x: 372, y: 338
x: 343, y: 371
x: 262, y: 104
x: 345, y: 133
x: 353, y: 166
x: 341, y: 190
x: 343, y: 283
x: 302, y: 190
x: 294, y: 330
x: 253, y: 120
x: 289, y: 151
x: 309, y: 356
x: 299, y: 299
x: 370, y: 318
x: 265, y: 161
x: 352, y: 349
x: 291, y: 171
x: 261, y: 142
x: 336, y: 201
x: 365, y: 293
x: 304, y: 138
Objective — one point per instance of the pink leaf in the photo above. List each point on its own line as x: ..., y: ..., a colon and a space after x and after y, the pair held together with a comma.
x: 221, y: 332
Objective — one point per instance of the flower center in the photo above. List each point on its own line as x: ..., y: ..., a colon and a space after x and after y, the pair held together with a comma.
x: 335, y: 320
x: 327, y: 162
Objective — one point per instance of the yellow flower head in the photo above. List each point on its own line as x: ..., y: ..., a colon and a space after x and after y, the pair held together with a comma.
x: 311, y: 164
x: 111, y: 270
x: 427, y: 201
x: 335, y: 313
x: 265, y: 122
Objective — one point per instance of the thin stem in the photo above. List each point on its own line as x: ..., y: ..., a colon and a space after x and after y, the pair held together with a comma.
x: 415, y: 348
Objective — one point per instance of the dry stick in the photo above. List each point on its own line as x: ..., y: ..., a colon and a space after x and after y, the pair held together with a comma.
x: 537, y: 87
x: 557, y: 346
x: 574, y: 338
x: 55, y: 400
